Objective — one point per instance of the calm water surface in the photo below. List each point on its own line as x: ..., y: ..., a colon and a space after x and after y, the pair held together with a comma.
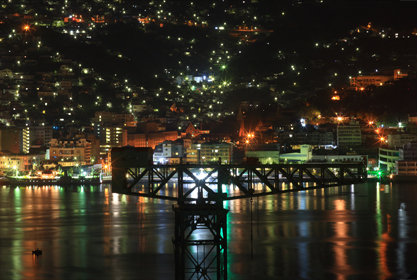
x: 366, y: 231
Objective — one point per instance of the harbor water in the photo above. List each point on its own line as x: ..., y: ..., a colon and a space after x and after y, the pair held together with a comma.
x: 363, y: 231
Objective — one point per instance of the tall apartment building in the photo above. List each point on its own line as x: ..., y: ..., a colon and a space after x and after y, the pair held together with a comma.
x: 111, y: 137
x: 70, y: 152
x: 15, y: 139
x: 349, y: 134
x: 38, y: 135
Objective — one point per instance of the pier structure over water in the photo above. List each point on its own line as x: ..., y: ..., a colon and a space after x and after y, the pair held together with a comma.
x: 199, y: 194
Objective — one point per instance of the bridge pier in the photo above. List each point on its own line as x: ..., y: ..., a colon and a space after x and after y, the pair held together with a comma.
x: 198, y: 258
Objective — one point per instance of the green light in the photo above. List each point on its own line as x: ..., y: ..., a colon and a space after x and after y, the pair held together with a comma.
x: 223, y: 66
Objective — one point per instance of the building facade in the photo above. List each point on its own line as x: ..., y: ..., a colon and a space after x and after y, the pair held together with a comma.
x: 168, y: 152
x: 407, y: 163
x: 70, y: 152
x: 349, y: 134
x: 15, y: 139
x: 400, y: 139
x: 387, y: 159
x: 215, y: 152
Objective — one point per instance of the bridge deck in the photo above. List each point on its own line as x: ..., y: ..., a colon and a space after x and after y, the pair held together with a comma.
x: 208, y: 179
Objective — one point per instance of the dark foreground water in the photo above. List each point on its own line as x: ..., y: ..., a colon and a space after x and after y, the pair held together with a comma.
x: 366, y: 231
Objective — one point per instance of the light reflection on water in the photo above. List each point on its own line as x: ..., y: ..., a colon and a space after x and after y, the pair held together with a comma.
x: 350, y: 232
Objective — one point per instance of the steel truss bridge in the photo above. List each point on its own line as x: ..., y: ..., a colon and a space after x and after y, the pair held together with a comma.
x: 199, y: 195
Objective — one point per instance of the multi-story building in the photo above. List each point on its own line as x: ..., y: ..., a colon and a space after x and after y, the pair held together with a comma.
x: 38, y: 135
x: 114, y: 135
x: 407, y: 162
x: 192, y: 153
x: 15, y: 139
x: 169, y: 152
x: 321, y: 139
x: 349, y: 134
x: 400, y: 139
x: 111, y: 137
x: 387, y: 159
x: 70, y: 152
x: 215, y: 152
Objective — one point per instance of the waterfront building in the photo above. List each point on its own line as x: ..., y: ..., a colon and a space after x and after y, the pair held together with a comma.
x: 19, y: 164
x: 387, y: 159
x: 70, y: 152
x: 407, y: 162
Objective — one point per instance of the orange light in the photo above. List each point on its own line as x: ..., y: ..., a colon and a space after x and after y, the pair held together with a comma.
x: 382, y: 138
x: 26, y: 27
x: 362, y: 88
x: 247, y: 141
x: 377, y: 130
